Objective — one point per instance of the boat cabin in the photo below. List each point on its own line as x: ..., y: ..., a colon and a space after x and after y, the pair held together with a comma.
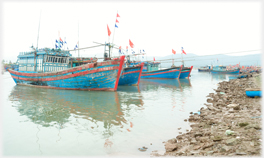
x: 219, y: 68
x: 44, y: 60
x: 49, y: 60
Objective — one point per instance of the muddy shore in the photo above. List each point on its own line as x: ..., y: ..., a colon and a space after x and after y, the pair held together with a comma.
x: 230, y: 125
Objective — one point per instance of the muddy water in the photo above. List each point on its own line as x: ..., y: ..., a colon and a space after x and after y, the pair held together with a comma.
x: 48, y: 122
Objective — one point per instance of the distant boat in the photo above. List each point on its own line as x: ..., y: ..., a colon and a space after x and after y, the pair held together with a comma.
x: 153, y: 72
x: 55, y: 68
x: 223, y: 70
x: 131, y: 75
x: 204, y: 69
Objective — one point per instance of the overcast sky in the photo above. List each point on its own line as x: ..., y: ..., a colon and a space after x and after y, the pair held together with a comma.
x: 201, y: 27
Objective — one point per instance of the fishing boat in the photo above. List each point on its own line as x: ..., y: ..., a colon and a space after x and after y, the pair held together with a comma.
x: 223, y: 70
x: 253, y: 92
x: 153, y: 72
x: 205, y: 69
x: 131, y: 75
x: 57, y: 69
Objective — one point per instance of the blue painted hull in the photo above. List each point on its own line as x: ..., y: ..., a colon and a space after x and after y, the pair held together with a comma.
x: 100, y: 76
x: 130, y: 76
x: 253, y: 94
x: 225, y: 72
x: 170, y: 73
x: 184, y: 74
x: 185, y: 71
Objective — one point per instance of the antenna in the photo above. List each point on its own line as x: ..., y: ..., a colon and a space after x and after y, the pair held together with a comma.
x: 38, y: 28
x: 78, y: 41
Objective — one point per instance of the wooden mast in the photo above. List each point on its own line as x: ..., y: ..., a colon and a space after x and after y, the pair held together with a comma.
x: 35, y: 54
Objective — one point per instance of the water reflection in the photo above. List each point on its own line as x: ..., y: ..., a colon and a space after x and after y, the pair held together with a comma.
x: 130, y: 95
x: 49, y: 107
x: 185, y: 83
x: 218, y: 77
x: 173, y: 84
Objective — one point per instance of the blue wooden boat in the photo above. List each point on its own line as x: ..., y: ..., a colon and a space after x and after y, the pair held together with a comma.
x: 153, y: 72
x: 253, y: 92
x: 131, y: 75
x: 55, y: 68
x: 223, y: 70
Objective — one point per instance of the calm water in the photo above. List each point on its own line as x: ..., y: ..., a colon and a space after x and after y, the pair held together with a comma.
x: 48, y: 122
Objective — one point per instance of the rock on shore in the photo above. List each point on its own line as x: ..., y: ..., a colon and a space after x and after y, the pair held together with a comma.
x: 229, y: 126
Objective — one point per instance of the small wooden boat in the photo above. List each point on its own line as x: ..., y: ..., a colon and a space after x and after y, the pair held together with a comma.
x: 253, y: 92
x: 131, y: 75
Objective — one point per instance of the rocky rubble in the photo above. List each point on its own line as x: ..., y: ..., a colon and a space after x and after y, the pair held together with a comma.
x: 229, y: 126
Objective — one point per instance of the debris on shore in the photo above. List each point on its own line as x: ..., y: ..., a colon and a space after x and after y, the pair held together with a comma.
x: 229, y: 126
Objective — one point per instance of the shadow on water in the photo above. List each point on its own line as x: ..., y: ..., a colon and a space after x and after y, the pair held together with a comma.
x: 49, y: 107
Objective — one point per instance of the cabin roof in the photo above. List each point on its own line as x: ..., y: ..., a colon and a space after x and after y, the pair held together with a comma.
x: 45, y: 51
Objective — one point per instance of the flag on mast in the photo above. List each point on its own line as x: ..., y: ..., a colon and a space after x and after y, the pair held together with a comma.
x: 173, y: 51
x: 183, y: 51
x: 117, y: 15
x: 131, y: 44
x: 108, y: 30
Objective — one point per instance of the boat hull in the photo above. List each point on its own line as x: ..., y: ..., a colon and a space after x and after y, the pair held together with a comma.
x: 131, y: 75
x: 185, y: 72
x: 204, y: 70
x: 170, y: 73
x: 225, y: 72
x: 94, y: 76
x: 253, y: 92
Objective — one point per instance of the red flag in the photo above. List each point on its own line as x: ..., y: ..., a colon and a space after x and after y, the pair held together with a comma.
x: 131, y: 44
x: 117, y: 15
x: 154, y: 58
x: 120, y: 47
x: 184, y: 52
x: 60, y: 39
x: 126, y: 47
x: 117, y: 21
x: 109, y: 32
x: 173, y: 51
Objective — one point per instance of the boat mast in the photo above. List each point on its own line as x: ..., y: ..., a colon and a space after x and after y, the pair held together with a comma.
x: 35, y: 54
x: 78, y: 41
x: 38, y: 29
x: 113, y: 37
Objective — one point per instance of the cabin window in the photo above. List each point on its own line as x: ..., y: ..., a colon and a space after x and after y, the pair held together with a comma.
x: 57, y: 59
